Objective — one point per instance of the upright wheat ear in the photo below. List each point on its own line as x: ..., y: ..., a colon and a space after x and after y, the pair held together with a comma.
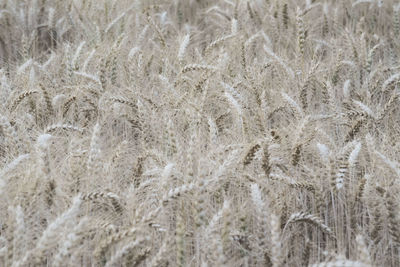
x: 394, y: 220
x: 180, y: 243
x: 301, y: 33
x: 93, y: 164
x: 183, y: 47
x: 276, y: 250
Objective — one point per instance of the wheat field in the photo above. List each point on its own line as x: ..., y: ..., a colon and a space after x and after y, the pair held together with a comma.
x: 199, y: 133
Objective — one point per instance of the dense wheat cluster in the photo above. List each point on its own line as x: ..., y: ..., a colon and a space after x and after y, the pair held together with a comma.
x: 199, y: 133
